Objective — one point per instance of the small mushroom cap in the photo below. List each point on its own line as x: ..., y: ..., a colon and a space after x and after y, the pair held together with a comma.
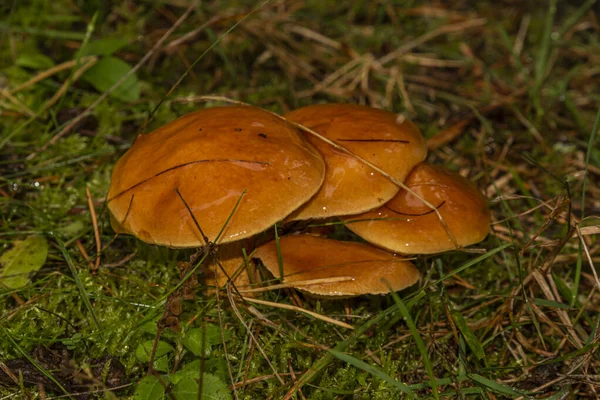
x: 350, y: 186
x: 211, y: 156
x: 406, y: 225
x: 308, y: 257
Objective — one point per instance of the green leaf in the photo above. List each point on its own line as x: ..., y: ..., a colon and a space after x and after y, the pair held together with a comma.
x: 468, y: 334
x: 108, y: 71
x: 495, y: 386
x: 26, y: 256
x: 149, y: 327
x: 103, y: 47
x: 149, y: 388
x: 144, y: 350
x: 34, y: 61
x: 213, y: 334
x: 373, y: 371
x: 162, y: 364
x: 193, y: 342
x: 189, y: 370
x: 79, y: 283
x: 193, y: 339
x: 551, y: 304
x: 186, y: 388
x: 212, y: 389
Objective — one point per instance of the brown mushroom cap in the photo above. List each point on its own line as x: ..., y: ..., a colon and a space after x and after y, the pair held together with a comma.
x: 308, y: 257
x: 406, y: 225
x: 212, y: 156
x: 350, y: 186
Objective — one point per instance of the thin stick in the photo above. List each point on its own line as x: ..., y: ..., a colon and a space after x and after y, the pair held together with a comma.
x: 587, y: 253
x: 451, y: 28
x: 48, y: 73
x: 192, y: 34
x: 63, y: 89
x: 96, y: 231
x: 300, y: 310
x: 104, y: 95
x: 308, y: 282
x: 22, y: 107
x: 84, y: 254
x: 257, y: 379
x: 207, y: 242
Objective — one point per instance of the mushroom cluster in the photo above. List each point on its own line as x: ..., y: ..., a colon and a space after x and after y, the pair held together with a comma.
x: 222, y: 175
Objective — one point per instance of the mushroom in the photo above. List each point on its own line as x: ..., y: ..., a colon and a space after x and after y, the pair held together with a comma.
x: 239, y: 169
x: 406, y: 225
x: 378, y: 136
x: 368, y: 270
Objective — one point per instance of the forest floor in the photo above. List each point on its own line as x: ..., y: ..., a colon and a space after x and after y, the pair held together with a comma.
x: 508, y: 95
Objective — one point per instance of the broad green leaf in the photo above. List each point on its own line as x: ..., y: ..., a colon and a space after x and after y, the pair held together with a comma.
x: 193, y: 339
x: 193, y: 342
x: 212, y: 389
x: 189, y: 370
x: 213, y: 334
x: 376, y: 372
x: 162, y: 364
x: 26, y: 256
x: 34, y: 61
x: 108, y: 71
x: 144, y: 350
x: 186, y: 388
x: 149, y: 327
x: 149, y: 388
x: 103, y: 47
x: 468, y: 334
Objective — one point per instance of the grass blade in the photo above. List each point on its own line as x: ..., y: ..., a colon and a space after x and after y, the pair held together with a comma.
x: 575, y: 17
x: 84, y: 295
x: 469, y: 264
x: 468, y: 334
x: 237, y: 203
x: 495, y: 386
x: 342, y: 346
x: 420, y: 344
x: 542, y: 58
x: 578, y: 266
x: 33, y: 362
x: 373, y: 371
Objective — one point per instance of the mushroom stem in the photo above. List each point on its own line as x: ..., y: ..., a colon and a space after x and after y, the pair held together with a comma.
x: 348, y: 152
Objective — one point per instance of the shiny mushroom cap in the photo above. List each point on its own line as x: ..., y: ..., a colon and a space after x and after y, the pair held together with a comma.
x: 406, y: 225
x: 215, y: 157
x: 378, y: 136
x: 306, y: 258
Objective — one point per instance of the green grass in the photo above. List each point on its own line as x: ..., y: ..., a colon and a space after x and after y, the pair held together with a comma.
x: 520, y: 319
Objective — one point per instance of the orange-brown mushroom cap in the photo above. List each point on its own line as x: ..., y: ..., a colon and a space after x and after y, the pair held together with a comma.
x: 308, y: 257
x: 350, y: 186
x: 406, y: 225
x: 214, y: 157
